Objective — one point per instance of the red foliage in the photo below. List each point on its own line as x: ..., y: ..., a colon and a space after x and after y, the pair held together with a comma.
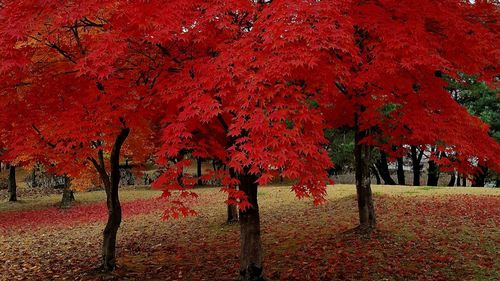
x: 251, y: 83
x: 78, y: 214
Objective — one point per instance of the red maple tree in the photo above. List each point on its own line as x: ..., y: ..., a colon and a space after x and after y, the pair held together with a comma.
x: 251, y: 83
x: 78, y: 81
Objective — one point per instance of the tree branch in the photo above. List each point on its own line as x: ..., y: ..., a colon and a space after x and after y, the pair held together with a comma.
x: 51, y: 145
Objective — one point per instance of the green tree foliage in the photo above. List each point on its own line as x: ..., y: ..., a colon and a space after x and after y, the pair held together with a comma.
x: 483, y: 102
x: 341, y: 149
x: 479, y: 99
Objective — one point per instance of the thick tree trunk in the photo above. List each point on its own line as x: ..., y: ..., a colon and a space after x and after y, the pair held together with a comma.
x: 375, y: 172
x: 416, y: 157
x: 383, y: 168
x: 464, y: 180
x: 362, y: 155
x: 67, y: 197
x: 452, y: 179
x: 251, y: 268
x: 12, y: 186
x: 433, y: 174
x: 480, y: 177
x: 401, y: 171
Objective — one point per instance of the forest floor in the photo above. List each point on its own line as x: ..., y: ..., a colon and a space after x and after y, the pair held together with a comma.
x: 423, y: 234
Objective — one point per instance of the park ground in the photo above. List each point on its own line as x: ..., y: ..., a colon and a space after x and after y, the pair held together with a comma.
x: 423, y: 234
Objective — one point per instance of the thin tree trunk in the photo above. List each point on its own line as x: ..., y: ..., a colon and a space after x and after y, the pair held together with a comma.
x: 461, y: 180
x: 232, y: 210
x: 232, y: 213
x: 111, y: 184
x: 375, y: 172
x: 113, y: 204
x: 416, y: 157
x: 401, y: 171
x: 251, y: 268
x: 67, y: 197
x: 362, y: 155
x: 198, y: 170
x: 452, y: 179
x: 12, y: 186
x: 383, y: 168
x: 33, y: 175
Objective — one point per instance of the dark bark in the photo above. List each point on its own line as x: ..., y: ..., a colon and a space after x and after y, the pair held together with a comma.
x: 362, y: 155
x: 480, y: 177
x: 33, y: 178
x: 12, y: 186
x: 416, y: 158
x: 452, y: 179
x: 67, y: 197
x: 458, y: 179
x: 251, y: 268
x: 401, y: 171
x: 198, y: 170
x: 375, y: 172
x: 464, y: 180
x: 111, y: 184
x: 232, y: 213
x: 383, y: 168
x: 432, y: 174
x: 113, y: 204
x: 232, y: 210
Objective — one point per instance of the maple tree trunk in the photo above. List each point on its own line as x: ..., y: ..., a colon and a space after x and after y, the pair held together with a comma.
x: 480, y: 177
x: 452, y: 180
x: 198, y: 170
x: 250, y: 242
x: 68, y: 196
x: 33, y: 178
x: 383, y: 168
x: 415, y: 160
x: 401, y: 171
x: 12, y: 186
x: 461, y: 179
x: 113, y: 203
x: 433, y: 174
x: 375, y: 172
x: 362, y: 155
x: 232, y: 213
x: 232, y: 210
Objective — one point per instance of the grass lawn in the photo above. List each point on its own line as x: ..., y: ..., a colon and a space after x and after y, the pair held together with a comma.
x: 423, y: 234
